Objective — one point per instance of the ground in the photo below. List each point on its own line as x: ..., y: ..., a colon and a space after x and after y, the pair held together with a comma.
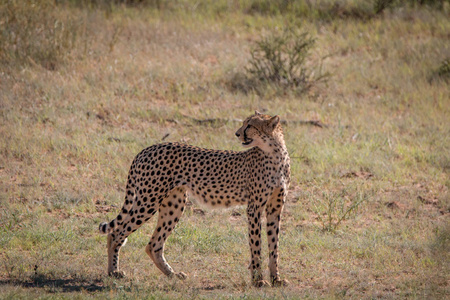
x: 368, y: 211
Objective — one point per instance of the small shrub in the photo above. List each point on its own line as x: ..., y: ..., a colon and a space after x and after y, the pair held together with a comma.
x: 444, y: 69
x: 381, y: 5
x: 442, y: 72
x: 280, y: 60
x: 333, y: 208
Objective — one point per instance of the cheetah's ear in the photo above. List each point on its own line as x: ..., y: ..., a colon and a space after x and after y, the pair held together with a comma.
x: 274, y: 121
x: 257, y: 113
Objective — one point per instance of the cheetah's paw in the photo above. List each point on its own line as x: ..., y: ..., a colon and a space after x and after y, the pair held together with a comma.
x: 181, y: 276
x: 117, y: 274
x: 280, y: 282
x: 261, y: 283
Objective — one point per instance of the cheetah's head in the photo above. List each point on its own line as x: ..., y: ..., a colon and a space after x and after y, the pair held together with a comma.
x: 261, y: 131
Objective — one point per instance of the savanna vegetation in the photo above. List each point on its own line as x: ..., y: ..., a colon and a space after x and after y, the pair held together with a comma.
x: 362, y: 87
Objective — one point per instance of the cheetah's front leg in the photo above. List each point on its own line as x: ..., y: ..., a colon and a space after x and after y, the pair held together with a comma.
x: 254, y: 235
x: 273, y: 211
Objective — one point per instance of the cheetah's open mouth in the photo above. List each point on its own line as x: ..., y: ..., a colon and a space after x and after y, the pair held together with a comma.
x: 248, y: 142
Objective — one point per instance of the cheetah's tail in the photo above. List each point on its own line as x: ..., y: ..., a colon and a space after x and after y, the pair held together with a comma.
x: 106, y: 228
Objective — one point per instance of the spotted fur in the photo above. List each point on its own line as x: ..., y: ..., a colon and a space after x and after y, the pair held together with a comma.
x: 161, y: 176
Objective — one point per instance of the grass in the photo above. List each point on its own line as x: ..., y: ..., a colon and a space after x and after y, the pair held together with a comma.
x: 72, y: 121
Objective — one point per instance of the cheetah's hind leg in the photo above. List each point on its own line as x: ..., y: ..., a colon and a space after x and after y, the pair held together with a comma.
x: 170, y: 211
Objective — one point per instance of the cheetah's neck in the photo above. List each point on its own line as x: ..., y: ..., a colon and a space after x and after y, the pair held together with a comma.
x: 276, y: 149
x: 277, y: 157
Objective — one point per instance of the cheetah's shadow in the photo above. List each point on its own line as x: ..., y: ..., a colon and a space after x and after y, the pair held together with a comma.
x: 57, y: 285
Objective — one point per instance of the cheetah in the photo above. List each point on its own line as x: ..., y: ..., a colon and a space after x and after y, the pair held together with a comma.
x: 162, y: 175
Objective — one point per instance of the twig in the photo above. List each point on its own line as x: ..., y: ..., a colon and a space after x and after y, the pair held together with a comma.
x: 215, y: 121
x: 165, y: 136
x: 304, y: 122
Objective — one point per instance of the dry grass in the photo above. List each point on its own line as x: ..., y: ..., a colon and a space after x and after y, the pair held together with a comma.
x: 70, y: 125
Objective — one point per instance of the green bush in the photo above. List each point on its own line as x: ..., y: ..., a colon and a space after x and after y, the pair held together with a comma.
x: 280, y: 60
